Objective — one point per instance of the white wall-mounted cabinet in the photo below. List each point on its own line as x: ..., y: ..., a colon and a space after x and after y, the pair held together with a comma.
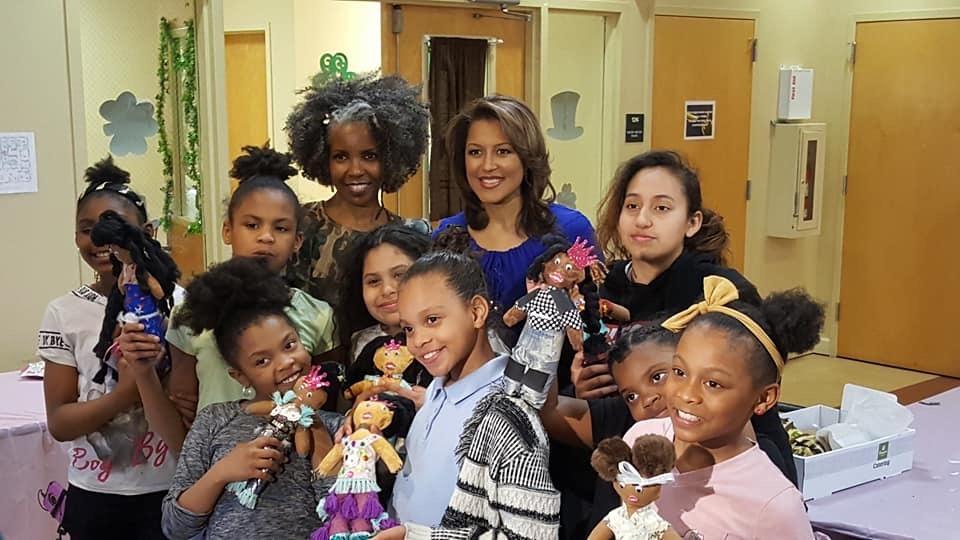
x: 796, y: 179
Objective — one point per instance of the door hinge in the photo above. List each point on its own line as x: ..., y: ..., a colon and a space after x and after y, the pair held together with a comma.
x: 853, y: 52
x: 749, y: 186
x: 838, y: 311
x: 753, y: 50
x: 844, y: 186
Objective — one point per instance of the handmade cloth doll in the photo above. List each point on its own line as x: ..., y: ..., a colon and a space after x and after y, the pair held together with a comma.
x: 385, y: 361
x: 551, y: 316
x: 352, y: 509
x: 292, y: 417
x: 637, y: 475
x: 146, y: 279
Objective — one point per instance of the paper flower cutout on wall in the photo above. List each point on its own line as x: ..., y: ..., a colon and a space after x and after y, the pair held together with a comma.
x: 564, y: 109
x: 333, y: 67
x: 129, y: 122
x: 567, y: 196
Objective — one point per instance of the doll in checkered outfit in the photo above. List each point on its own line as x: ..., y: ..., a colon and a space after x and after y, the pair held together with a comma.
x: 563, y: 305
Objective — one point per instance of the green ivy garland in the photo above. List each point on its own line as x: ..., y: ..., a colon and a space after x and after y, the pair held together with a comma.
x: 183, y: 54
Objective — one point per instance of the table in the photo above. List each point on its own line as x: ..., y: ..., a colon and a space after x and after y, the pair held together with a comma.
x: 29, y: 459
x: 921, y: 503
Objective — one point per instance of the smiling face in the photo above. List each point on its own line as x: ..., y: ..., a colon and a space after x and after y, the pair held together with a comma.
x: 493, y: 168
x: 88, y: 214
x: 355, y: 164
x: 383, y: 267
x: 561, y: 273
x: 641, y: 378
x: 442, y: 329
x: 372, y: 413
x: 393, y: 358
x: 264, y: 226
x: 711, y: 394
x: 654, y: 218
x: 269, y: 356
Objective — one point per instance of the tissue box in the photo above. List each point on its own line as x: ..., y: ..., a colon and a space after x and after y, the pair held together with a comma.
x: 836, y: 470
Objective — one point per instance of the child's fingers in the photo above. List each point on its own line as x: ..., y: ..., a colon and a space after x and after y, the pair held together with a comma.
x: 595, y: 370
x: 599, y: 393
x: 597, y: 382
x: 266, y: 442
x: 131, y: 327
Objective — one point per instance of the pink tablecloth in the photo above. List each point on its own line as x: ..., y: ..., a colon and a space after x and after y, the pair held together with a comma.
x: 923, y: 502
x: 29, y: 460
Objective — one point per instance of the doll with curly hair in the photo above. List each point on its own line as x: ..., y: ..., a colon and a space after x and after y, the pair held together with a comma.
x: 362, y: 137
x: 636, y: 474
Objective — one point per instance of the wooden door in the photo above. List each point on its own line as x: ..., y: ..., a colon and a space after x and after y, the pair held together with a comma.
x: 705, y: 59
x: 247, y: 106
x: 420, y: 21
x: 900, y: 285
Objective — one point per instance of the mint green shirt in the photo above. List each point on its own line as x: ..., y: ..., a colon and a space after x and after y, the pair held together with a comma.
x: 312, y: 318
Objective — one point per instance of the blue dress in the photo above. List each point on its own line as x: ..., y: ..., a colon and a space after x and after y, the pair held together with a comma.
x: 506, y: 271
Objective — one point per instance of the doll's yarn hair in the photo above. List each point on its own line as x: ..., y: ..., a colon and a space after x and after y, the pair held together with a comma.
x: 105, y: 179
x: 263, y: 168
x: 652, y: 455
x: 403, y: 412
x: 229, y: 298
x: 607, y: 457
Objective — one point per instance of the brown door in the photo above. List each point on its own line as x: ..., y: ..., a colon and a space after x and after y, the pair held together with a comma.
x: 900, y: 286
x: 246, y: 63
x: 702, y: 59
x: 420, y: 21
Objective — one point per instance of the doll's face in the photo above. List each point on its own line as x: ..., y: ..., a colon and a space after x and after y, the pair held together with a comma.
x: 372, y: 413
x: 392, y: 359
x: 312, y: 397
x: 561, y: 272
x: 635, y: 496
x: 121, y: 254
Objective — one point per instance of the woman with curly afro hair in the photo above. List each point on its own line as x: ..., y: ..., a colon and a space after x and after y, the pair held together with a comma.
x: 360, y: 137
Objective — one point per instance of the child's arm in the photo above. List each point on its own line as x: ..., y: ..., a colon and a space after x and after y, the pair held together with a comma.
x: 567, y: 419
x: 331, y: 461
x: 141, y: 352
x: 601, y: 532
x: 183, y: 385
x: 388, y: 454
x: 68, y: 419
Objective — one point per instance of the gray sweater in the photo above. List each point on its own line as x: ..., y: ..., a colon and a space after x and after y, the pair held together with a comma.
x: 285, y: 509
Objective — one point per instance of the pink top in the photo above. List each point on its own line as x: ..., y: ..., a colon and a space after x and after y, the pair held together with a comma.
x: 743, y: 498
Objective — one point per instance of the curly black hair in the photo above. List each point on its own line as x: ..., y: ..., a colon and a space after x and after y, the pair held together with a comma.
x: 105, y: 179
x: 262, y: 168
x: 391, y: 108
x: 792, y: 319
x: 354, y: 316
x: 636, y: 335
x: 229, y: 298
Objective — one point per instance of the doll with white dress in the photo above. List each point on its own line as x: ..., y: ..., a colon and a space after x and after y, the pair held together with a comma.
x: 637, y: 475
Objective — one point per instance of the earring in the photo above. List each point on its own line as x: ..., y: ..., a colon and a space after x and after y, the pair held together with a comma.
x: 247, y: 392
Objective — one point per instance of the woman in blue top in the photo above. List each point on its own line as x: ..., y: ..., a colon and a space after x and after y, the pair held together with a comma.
x: 499, y: 161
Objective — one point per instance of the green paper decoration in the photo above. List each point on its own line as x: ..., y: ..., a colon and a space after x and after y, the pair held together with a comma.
x: 333, y: 67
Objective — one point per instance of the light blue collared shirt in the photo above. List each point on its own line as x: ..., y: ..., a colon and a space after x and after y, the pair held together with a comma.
x: 429, y: 476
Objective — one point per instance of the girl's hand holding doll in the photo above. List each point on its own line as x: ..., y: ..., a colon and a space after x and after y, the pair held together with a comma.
x: 259, y: 458
x: 593, y: 381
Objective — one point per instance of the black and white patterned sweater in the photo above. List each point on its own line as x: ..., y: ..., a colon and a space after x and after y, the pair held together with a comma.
x: 503, y: 488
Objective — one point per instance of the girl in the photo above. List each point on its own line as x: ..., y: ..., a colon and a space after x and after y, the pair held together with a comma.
x: 361, y: 137
x: 727, y: 369
x: 245, y: 304
x: 499, y: 161
x: 374, y: 267
x: 639, y: 361
x: 653, y: 219
x: 502, y: 483
x: 262, y: 222
x: 119, y: 470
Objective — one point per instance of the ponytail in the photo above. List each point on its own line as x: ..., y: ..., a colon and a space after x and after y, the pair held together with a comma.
x: 712, y: 238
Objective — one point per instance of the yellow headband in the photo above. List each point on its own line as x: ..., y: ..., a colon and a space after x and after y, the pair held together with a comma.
x: 717, y: 293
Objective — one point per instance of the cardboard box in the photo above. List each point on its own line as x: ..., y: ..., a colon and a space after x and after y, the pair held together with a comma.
x: 836, y: 470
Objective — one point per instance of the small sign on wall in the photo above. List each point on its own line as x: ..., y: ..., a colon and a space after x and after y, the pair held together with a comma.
x: 634, y: 128
x: 699, y: 120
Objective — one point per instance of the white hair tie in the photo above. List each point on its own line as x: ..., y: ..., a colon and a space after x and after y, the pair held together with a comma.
x: 629, y: 475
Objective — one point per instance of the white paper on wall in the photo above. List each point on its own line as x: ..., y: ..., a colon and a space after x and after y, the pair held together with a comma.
x: 18, y: 163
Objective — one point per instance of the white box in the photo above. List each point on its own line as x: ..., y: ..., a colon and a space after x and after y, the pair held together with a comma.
x: 796, y: 93
x: 836, y: 470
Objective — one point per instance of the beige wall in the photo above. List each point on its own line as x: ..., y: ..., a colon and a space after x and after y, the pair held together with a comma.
x: 37, y: 228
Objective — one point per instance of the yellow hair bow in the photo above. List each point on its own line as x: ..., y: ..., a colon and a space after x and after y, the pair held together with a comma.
x: 717, y: 293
